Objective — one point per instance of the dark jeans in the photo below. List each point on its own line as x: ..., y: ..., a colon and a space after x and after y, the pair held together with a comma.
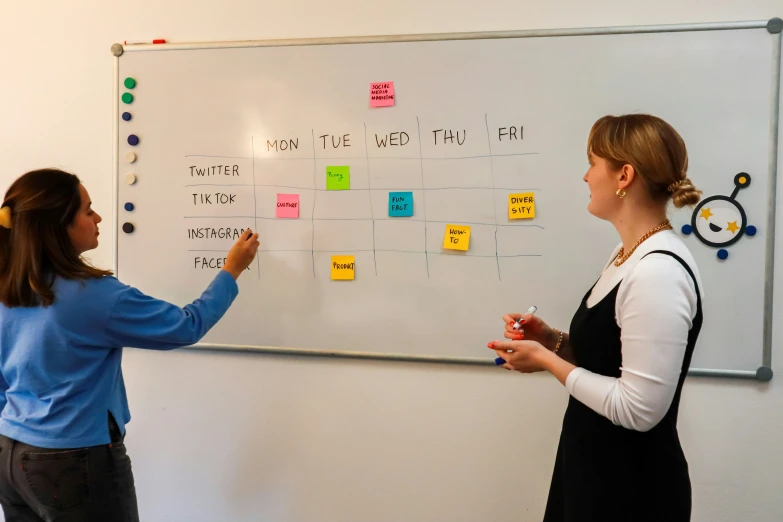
x: 83, y: 484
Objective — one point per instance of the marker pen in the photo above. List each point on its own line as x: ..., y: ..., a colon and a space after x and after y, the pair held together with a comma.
x: 517, y: 326
x: 142, y: 42
x: 531, y: 311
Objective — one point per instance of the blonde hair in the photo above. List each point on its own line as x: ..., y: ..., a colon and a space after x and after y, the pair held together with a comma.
x: 653, y: 148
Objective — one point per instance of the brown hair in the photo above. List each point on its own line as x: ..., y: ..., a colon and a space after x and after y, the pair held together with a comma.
x: 37, y: 247
x: 654, y: 149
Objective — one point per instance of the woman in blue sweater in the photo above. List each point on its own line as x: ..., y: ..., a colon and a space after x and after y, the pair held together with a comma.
x: 63, y: 324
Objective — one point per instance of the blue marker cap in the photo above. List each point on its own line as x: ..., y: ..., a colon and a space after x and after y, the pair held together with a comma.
x: 499, y: 361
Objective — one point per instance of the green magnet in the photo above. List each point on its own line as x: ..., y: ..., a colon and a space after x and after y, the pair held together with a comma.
x: 130, y: 83
x: 127, y: 97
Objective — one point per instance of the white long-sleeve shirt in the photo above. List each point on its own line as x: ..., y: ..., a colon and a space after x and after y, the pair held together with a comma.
x: 655, y: 308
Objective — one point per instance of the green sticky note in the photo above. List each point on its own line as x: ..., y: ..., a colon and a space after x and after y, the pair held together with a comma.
x: 338, y: 178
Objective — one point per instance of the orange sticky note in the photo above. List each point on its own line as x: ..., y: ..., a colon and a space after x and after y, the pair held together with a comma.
x: 343, y: 267
x: 521, y: 206
x: 381, y: 94
x: 457, y: 237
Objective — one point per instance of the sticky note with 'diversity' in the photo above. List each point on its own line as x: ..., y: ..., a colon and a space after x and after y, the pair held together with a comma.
x: 521, y: 206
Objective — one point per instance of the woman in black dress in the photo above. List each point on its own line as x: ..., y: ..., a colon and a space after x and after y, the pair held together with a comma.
x: 630, y: 342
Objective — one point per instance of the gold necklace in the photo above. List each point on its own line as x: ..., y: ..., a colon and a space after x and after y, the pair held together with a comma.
x: 622, y: 257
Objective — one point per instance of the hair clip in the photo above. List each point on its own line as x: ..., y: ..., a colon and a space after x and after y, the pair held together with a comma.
x: 5, y: 217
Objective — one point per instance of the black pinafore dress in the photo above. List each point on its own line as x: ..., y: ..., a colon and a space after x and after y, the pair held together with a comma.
x: 607, y: 473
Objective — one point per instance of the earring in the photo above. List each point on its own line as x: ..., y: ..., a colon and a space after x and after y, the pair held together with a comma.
x: 621, y: 193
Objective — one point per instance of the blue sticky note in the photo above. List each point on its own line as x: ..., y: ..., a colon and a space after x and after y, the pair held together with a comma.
x: 400, y: 204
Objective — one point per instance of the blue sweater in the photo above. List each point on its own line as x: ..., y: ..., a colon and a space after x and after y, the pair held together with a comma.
x: 60, y: 371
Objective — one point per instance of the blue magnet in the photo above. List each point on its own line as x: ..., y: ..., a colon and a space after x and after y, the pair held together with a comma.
x: 129, y: 206
x: 751, y: 230
x: 133, y: 140
x: 126, y: 116
x: 723, y: 253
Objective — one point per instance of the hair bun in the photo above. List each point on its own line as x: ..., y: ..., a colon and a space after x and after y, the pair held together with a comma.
x: 684, y: 193
x: 673, y: 187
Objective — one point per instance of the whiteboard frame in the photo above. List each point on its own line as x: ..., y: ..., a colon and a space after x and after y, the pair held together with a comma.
x: 774, y: 26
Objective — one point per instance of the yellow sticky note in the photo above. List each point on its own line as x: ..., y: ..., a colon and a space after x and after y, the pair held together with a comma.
x: 521, y: 206
x: 343, y: 267
x: 457, y: 237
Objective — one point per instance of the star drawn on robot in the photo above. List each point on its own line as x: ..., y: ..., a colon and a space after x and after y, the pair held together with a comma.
x: 720, y: 221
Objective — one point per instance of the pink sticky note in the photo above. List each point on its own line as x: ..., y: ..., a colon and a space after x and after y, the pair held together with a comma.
x: 381, y: 94
x: 288, y: 205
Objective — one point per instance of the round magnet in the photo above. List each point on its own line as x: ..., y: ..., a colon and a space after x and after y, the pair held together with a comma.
x: 126, y: 116
x: 127, y: 228
x: 130, y: 157
x: 751, y: 230
x: 127, y: 97
x: 130, y: 83
x: 723, y: 253
x: 133, y: 140
x: 129, y: 206
x: 130, y: 179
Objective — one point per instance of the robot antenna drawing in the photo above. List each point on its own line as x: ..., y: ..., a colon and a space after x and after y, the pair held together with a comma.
x: 720, y: 221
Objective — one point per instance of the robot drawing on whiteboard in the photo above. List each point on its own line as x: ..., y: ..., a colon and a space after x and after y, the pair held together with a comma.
x: 720, y: 221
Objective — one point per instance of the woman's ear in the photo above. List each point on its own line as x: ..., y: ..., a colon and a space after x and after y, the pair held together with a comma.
x: 625, y: 176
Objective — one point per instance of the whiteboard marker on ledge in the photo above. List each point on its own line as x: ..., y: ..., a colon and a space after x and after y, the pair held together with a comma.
x: 517, y: 326
x: 143, y: 42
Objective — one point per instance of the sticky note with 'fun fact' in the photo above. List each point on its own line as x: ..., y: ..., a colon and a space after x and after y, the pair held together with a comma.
x: 400, y: 204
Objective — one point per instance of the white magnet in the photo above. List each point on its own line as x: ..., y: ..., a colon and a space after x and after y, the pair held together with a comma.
x: 130, y: 157
x: 130, y: 179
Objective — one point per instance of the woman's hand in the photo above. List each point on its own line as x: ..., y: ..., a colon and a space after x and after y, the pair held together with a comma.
x: 532, y: 329
x: 241, y: 254
x: 521, y: 356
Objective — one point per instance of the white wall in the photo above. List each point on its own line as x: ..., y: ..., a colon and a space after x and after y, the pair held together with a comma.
x: 244, y: 437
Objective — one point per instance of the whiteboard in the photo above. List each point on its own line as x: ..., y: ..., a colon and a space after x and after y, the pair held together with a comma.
x: 224, y: 129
